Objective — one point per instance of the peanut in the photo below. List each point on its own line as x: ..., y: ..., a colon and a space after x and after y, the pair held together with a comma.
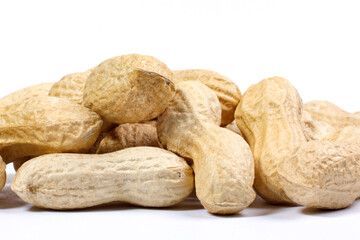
x: 226, y: 90
x: 129, y: 135
x: 2, y: 173
x: 221, y: 159
x: 322, y: 174
x: 129, y: 88
x: 145, y: 176
x: 41, y: 89
x: 331, y: 114
x: 269, y: 116
x: 71, y: 87
x: 46, y: 124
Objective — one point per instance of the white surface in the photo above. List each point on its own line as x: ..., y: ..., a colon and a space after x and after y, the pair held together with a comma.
x: 314, y: 44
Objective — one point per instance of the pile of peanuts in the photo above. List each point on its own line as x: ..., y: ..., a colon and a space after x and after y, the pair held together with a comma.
x: 132, y: 130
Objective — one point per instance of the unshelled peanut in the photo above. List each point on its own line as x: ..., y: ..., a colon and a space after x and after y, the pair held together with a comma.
x: 145, y: 176
x: 331, y: 114
x: 41, y: 89
x: 41, y: 125
x: 226, y: 90
x: 71, y: 87
x: 129, y: 89
x: 269, y: 117
x: 322, y: 174
x: 221, y: 159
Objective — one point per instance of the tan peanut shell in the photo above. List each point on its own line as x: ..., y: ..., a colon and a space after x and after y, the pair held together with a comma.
x: 322, y: 174
x: 129, y: 88
x: 2, y: 173
x: 145, y: 176
x: 129, y: 135
x: 331, y: 114
x: 226, y: 90
x: 46, y: 124
x: 41, y: 89
x: 221, y: 159
x: 317, y: 130
x: 269, y: 116
x: 71, y: 87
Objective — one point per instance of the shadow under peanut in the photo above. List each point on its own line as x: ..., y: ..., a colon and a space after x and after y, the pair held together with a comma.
x: 8, y: 199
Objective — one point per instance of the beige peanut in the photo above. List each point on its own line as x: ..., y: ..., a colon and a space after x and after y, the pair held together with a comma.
x: 71, y: 87
x: 129, y: 135
x: 322, y: 174
x: 46, y: 124
x: 2, y: 173
x: 41, y: 89
x: 269, y: 116
x: 331, y: 114
x: 221, y: 159
x: 226, y: 90
x: 129, y: 88
x: 145, y: 176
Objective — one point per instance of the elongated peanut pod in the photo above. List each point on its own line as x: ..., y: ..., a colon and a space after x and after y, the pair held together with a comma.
x: 42, y: 125
x: 222, y: 160
x: 143, y: 176
x: 269, y: 116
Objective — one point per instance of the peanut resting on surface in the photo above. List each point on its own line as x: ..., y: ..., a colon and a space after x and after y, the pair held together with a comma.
x: 41, y: 89
x: 269, y: 116
x: 226, y: 90
x: 322, y: 174
x: 46, y: 124
x: 129, y: 89
x: 221, y: 159
x: 129, y: 135
x: 2, y: 173
x: 145, y: 176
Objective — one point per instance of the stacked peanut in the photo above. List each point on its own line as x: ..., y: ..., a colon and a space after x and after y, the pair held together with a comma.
x: 132, y: 130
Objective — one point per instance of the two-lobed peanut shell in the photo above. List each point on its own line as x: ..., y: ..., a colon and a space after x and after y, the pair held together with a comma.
x: 46, y: 124
x: 144, y: 176
x: 221, y: 159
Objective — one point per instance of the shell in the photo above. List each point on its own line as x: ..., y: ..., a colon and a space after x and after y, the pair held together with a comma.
x: 322, y: 174
x: 226, y: 90
x: 269, y: 118
x: 46, y: 124
x: 41, y: 89
x: 317, y: 130
x: 144, y: 176
x: 129, y: 89
x: 327, y: 112
x: 221, y: 159
x: 71, y: 87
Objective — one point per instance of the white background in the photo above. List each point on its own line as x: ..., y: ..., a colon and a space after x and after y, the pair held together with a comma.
x: 314, y: 44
